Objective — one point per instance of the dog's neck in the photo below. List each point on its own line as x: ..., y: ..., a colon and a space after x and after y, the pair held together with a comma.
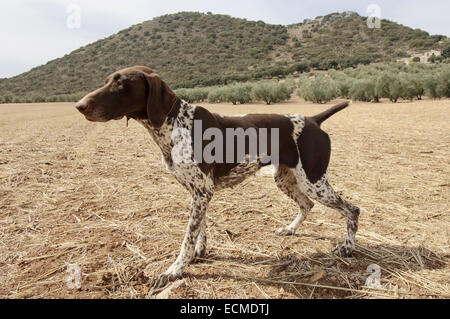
x: 163, y: 135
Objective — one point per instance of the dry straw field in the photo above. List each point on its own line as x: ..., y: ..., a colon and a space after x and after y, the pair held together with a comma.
x: 96, y: 195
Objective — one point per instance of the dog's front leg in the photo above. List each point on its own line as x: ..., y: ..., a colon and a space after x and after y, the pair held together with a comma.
x: 200, y: 201
x: 200, y: 247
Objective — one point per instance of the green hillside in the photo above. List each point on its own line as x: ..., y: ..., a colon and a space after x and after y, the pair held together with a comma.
x: 194, y: 49
x: 344, y: 40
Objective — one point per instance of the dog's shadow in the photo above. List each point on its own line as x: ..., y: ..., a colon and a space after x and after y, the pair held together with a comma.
x: 332, y: 276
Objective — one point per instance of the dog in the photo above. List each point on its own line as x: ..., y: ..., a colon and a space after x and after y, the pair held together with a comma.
x: 301, y: 166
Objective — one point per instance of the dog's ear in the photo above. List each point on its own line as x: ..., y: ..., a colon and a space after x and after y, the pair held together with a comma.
x: 160, y: 100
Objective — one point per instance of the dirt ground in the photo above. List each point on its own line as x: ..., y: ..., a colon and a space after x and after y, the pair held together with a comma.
x: 96, y: 196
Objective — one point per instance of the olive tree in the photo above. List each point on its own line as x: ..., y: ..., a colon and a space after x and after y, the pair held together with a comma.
x: 321, y: 89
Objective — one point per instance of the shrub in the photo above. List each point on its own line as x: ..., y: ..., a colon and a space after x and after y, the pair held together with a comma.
x: 300, y: 67
x: 432, y: 58
x: 63, y: 98
x: 321, y: 89
x: 270, y: 92
x: 446, y: 51
x: 344, y: 86
x: 412, y: 86
x: 238, y: 93
x: 407, y: 91
x: 382, y: 85
x: 363, y: 90
x: 388, y: 85
x: 262, y: 91
x: 431, y: 87
x: 290, y: 84
x: 284, y: 91
x: 443, y: 87
x: 439, y: 59
x: 192, y: 95
x: 217, y: 95
x: 183, y: 94
x: 395, y: 90
x: 7, y: 99
x: 200, y: 94
x: 51, y: 99
x: 342, y: 81
x: 37, y: 99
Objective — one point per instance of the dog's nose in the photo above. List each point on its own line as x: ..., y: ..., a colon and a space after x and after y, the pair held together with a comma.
x: 81, y: 106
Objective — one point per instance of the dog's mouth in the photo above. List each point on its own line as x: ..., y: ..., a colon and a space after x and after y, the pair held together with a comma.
x: 91, y: 118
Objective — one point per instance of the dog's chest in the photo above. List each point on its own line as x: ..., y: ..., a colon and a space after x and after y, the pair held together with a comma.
x: 174, y: 136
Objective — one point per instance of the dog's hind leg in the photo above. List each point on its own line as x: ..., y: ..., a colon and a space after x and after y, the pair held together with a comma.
x: 326, y: 195
x: 287, y: 183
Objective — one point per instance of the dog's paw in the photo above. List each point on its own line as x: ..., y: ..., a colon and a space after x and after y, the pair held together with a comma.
x: 285, y: 231
x: 166, y: 279
x: 199, y: 254
x: 343, y: 250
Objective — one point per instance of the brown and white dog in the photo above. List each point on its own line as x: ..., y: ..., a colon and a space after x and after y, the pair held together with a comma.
x: 300, y: 172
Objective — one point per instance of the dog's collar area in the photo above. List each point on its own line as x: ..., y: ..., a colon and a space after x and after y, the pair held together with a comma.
x: 172, y: 113
x: 174, y: 110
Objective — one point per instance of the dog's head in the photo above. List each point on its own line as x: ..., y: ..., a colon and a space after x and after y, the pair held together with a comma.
x: 135, y: 92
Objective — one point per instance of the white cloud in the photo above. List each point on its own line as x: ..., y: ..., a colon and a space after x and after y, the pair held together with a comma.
x: 35, y: 31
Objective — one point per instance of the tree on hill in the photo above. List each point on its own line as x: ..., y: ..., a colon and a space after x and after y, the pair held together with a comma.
x: 432, y: 58
x: 446, y: 51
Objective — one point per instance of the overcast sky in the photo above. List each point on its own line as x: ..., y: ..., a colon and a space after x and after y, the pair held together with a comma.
x: 33, y: 32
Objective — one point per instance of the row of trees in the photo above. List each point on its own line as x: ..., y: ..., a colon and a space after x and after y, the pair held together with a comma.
x: 393, y: 81
x: 269, y: 92
x: 41, y: 99
x: 371, y: 83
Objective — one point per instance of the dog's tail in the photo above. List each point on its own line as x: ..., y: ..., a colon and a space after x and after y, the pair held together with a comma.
x: 322, y: 117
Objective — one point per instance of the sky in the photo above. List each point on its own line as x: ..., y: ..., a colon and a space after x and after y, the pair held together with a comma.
x: 33, y: 32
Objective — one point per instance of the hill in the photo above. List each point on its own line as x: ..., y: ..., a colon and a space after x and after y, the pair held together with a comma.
x: 341, y: 40
x: 194, y: 49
